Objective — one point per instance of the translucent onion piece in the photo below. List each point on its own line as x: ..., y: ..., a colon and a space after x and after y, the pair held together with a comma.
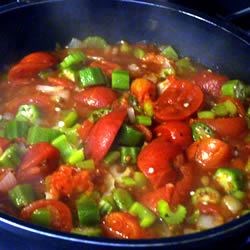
x: 7, y: 181
x: 131, y: 114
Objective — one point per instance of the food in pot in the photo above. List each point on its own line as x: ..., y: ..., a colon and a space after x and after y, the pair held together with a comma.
x: 124, y: 141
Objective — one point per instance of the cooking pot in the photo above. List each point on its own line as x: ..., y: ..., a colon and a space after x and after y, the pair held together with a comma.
x: 28, y: 26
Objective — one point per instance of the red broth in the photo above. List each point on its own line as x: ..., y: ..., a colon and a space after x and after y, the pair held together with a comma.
x: 123, y: 141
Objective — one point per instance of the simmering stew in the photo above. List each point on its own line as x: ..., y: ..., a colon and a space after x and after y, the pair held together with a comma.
x: 124, y: 141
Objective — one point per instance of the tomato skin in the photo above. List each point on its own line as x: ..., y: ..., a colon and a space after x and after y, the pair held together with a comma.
x: 180, y: 100
x: 209, y: 153
x: 209, y: 82
x: 154, y: 161
x: 61, y: 214
x: 146, y: 131
x: 40, y: 57
x: 103, y: 134
x: 231, y: 127
x: 122, y: 225
x: 177, y: 132
x: 98, y: 97
x: 40, y: 160
x: 151, y: 199
x: 59, y: 81
x: 85, y: 129
x: 106, y: 66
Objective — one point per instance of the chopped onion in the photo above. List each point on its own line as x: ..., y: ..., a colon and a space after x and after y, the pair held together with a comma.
x: 207, y: 221
x: 75, y: 43
x: 109, y: 183
x: 233, y: 205
x: 114, y: 170
x: 162, y: 86
x: 8, y: 181
x: 133, y: 67
x: 131, y: 114
x: 49, y: 89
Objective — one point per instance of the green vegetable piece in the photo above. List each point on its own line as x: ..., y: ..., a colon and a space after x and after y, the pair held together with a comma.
x: 206, y: 114
x: 148, y: 108
x: 128, y: 181
x: 170, y: 53
x: 123, y: 199
x: 112, y: 157
x: 94, y: 42
x: 167, y: 71
x: 87, y: 231
x: 87, y: 164
x: 107, y: 205
x: 72, y: 134
x: 70, y: 74
x: 21, y: 195
x: 70, y: 119
x: 184, y: 66
x: 65, y: 148
x: 138, y: 53
x: 16, y: 129
x: 73, y: 58
x: 120, y: 79
x: 76, y: 156
x: 91, y: 76
x: 170, y: 217
x: 140, y: 179
x: 42, y: 134
x: 129, y: 136
x: 87, y: 210
x: 144, y: 120
x: 224, y: 109
x: 200, y: 131
x: 206, y: 195
x: 146, y: 217
x: 235, y: 88
x: 240, y: 195
x: 10, y: 158
x: 230, y: 179
x: 42, y: 217
x: 129, y: 155
x: 95, y: 115
x: 28, y: 112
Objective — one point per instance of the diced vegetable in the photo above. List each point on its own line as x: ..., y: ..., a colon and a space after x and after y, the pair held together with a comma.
x: 10, y: 158
x: 205, y: 195
x: 224, y: 109
x: 234, y: 88
x: 87, y: 210
x: 21, y: 195
x: 170, y: 217
x: 70, y: 119
x: 184, y: 66
x: 42, y: 217
x: 72, y: 59
x: 147, y: 218
x: 70, y: 74
x: 107, y: 205
x: 87, y: 164
x: 91, y: 76
x: 139, y: 53
x: 112, y: 157
x: 201, y: 130
x: 129, y: 136
x: 170, y: 53
x: 16, y: 129
x: 206, y: 115
x: 88, y: 231
x: 230, y: 179
x: 122, y: 199
x: 28, y: 112
x: 144, y: 120
x: 129, y: 155
x: 120, y: 79
x: 95, y: 115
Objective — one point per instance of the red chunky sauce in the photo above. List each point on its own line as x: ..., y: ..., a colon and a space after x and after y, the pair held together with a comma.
x: 123, y: 141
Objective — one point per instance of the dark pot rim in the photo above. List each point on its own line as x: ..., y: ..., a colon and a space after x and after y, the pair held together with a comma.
x: 222, y: 231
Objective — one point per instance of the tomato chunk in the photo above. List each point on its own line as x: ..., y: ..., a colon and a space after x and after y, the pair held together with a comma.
x: 103, y: 134
x: 40, y: 160
x: 121, y: 225
x: 180, y: 100
x: 154, y: 161
x: 209, y: 153
x: 98, y: 97
x: 61, y: 214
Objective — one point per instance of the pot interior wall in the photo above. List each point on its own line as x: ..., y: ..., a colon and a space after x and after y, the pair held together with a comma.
x: 40, y: 26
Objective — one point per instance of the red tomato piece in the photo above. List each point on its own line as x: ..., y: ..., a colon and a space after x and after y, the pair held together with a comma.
x: 40, y: 57
x: 209, y: 153
x: 209, y: 208
x: 180, y: 100
x: 61, y: 214
x: 85, y: 129
x: 209, y: 82
x: 40, y: 160
x: 154, y: 161
x: 122, y: 225
x: 4, y: 143
x: 59, y: 81
x: 98, y: 97
x: 105, y: 66
x: 231, y: 127
x: 176, y: 132
x: 151, y: 199
x: 184, y: 185
x: 103, y: 134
